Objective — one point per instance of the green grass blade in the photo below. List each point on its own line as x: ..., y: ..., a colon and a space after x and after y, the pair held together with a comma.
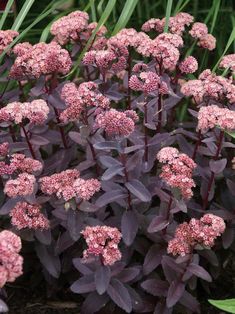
x: 22, y: 14
x: 180, y: 6
x: 216, y: 6
x: 225, y: 305
x: 127, y: 11
x: 168, y: 14
x: 5, y: 13
x: 93, y: 10
x: 107, y: 11
x: 229, y: 43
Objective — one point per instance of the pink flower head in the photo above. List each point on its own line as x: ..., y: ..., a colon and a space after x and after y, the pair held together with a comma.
x: 228, y: 61
x: 4, y: 149
x: 103, y: 59
x: 117, y: 123
x: 203, y: 232
x: 6, y: 169
x: 198, y: 30
x: 85, y: 189
x: 21, y: 186
x: 173, y: 39
x: 36, y: 112
x: 79, y: 99
x: 145, y: 81
x: 212, y: 116
x: 6, y: 37
x: 11, y: 262
x: 177, y: 171
x: 25, y: 215
x: 25, y: 164
x: 153, y: 24
x: 102, y: 241
x: 68, y: 28
x: 208, y: 42
x: 189, y: 65
x: 21, y: 48
x: 126, y: 36
x: 41, y: 59
x: 60, y: 184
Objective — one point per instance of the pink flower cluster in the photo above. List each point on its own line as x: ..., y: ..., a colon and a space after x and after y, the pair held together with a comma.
x: 102, y: 241
x: 177, y: 171
x: 40, y: 59
x: 228, y: 61
x: 68, y: 184
x: 11, y: 263
x: 4, y: 149
x: 202, y: 232
x: 21, y: 186
x: 6, y: 37
x: 188, y: 65
x: 177, y: 23
x: 200, y: 31
x: 147, y: 82
x: 36, y: 112
x: 209, y: 85
x: 212, y: 116
x: 69, y: 27
x: 126, y: 37
x: 25, y: 215
x: 79, y: 99
x: 117, y: 123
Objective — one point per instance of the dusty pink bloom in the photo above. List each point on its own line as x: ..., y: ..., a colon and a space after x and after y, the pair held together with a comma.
x: 21, y: 48
x: 145, y: 81
x: 6, y: 37
x: 11, y: 262
x: 4, y: 149
x: 79, y: 99
x: 166, y: 54
x: 189, y: 65
x: 25, y: 164
x: 25, y: 215
x: 126, y: 36
x: 36, y: 112
x: 203, y: 232
x: 212, y: 116
x: 86, y: 34
x: 6, y: 169
x: 103, y: 59
x: 85, y: 189
x: 60, y: 184
x: 177, y: 171
x: 228, y: 61
x: 21, y: 186
x: 172, y: 39
x: 116, y: 123
x: 208, y: 42
x: 41, y: 59
x: 102, y: 241
x: 69, y: 27
x: 198, y: 30
x: 153, y: 24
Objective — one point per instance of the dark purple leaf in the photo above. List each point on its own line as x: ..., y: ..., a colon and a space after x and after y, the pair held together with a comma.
x: 139, y: 190
x: 55, y: 100
x: 9, y: 204
x: 158, y: 223
x: 152, y: 259
x: 44, y: 236
x: 155, y: 287
x: 74, y: 224
x: 112, y: 171
x: 175, y: 292
x: 190, y: 302
x: 84, y: 285
x: 231, y: 186
x: 128, y: 274
x: 102, y: 279
x: 108, y: 145
x: 81, y: 267
x: 131, y: 149
x: 88, y: 207
x: 228, y: 237
x: 93, y: 303
x: 64, y: 241
x: 217, y: 166
x: 110, y: 197
x: 76, y: 137
x: 134, y: 160
x: 210, y: 256
x: 162, y: 309
x: 199, y: 272
x: 48, y: 260
x: 120, y: 295
x: 38, y: 140
x: 108, y: 161
x: 3, y: 307
x: 129, y: 227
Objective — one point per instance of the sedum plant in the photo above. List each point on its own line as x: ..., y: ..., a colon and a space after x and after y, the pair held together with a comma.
x: 121, y: 175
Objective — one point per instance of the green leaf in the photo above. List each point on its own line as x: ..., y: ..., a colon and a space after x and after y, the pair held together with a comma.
x: 127, y: 11
x: 5, y: 13
x: 22, y: 14
x: 93, y: 10
x: 168, y: 14
x: 216, y: 6
x: 225, y: 305
x: 232, y: 134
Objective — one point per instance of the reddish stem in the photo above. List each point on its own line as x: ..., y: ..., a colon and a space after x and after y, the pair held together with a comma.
x: 212, y: 177
x: 199, y: 140
x: 61, y: 129
x: 146, y: 151
x: 28, y: 142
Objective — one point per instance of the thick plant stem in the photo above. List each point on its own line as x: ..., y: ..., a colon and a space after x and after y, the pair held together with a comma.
x: 61, y: 129
x: 146, y: 151
x: 212, y: 177
x: 197, y: 145
x: 28, y: 142
x: 12, y: 133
